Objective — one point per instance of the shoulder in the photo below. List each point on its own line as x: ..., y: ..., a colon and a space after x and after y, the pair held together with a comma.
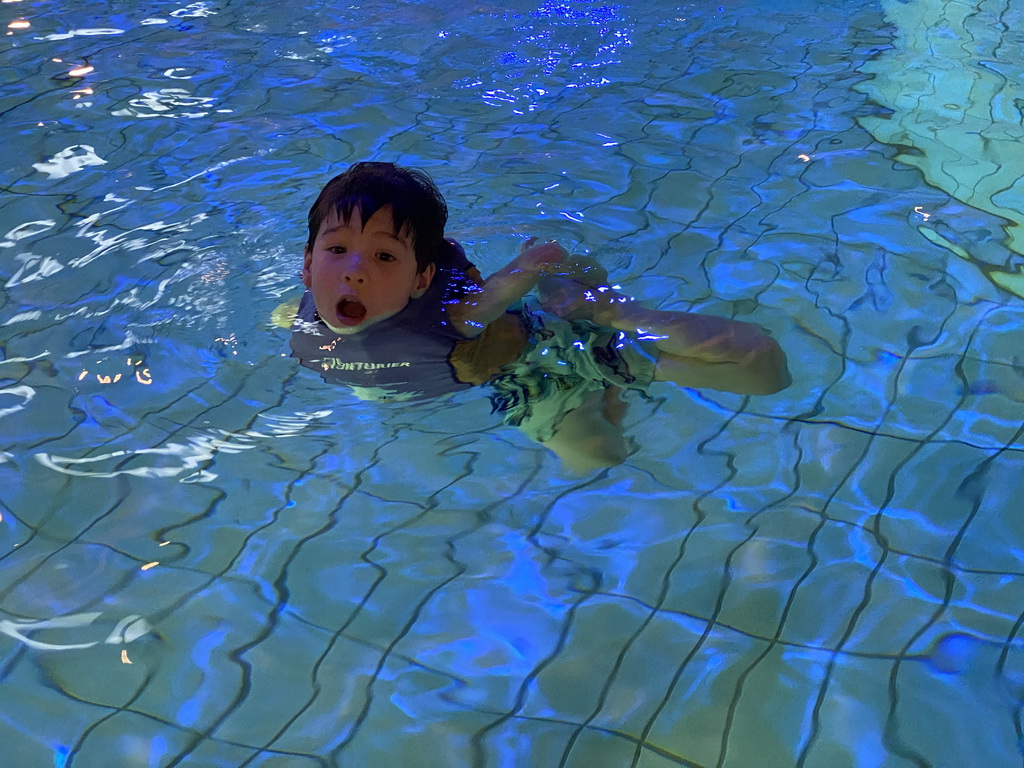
x: 287, y: 312
x: 284, y: 314
x: 456, y: 277
x: 453, y: 256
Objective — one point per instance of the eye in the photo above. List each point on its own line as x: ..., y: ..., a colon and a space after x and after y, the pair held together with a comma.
x: 337, y: 249
x: 386, y: 257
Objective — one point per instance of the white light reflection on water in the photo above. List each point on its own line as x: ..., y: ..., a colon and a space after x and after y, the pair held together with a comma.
x: 80, y: 33
x: 127, y: 630
x: 189, y: 456
x: 167, y: 102
x: 69, y: 160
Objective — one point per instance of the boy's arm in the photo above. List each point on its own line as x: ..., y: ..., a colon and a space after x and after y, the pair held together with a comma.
x: 694, y: 350
x: 707, y: 351
x: 758, y: 368
x: 506, y: 286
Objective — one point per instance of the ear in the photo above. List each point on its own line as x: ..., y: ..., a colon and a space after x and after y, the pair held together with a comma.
x: 307, y: 268
x: 423, y: 281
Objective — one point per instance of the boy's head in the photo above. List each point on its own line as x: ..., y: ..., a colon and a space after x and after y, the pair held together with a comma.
x: 375, y: 233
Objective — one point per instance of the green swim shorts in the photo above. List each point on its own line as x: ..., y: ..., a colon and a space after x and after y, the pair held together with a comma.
x: 564, y: 361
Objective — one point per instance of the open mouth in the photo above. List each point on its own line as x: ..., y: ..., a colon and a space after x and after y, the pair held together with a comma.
x: 351, y: 311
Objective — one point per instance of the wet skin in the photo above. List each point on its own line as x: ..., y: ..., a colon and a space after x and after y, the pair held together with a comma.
x: 362, y: 272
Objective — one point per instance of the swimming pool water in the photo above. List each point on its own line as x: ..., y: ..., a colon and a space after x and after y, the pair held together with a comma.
x: 210, y: 558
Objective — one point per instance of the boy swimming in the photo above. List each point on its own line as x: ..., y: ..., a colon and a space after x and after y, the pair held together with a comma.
x: 396, y: 311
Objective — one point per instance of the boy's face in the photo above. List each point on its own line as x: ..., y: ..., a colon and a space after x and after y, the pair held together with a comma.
x: 361, y: 273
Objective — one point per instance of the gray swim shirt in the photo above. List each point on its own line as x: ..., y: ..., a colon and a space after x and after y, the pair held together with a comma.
x: 404, y: 357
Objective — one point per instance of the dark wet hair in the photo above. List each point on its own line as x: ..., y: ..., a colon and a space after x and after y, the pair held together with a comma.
x: 416, y: 204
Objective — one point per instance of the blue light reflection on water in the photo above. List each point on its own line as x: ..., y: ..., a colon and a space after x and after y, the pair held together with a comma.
x: 203, y: 652
x: 566, y: 61
x: 159, y: 749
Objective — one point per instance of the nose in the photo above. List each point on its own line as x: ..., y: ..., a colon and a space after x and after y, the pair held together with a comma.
x: 355, y: 268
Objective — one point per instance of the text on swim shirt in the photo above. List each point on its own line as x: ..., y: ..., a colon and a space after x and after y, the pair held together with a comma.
x: 342, y: 365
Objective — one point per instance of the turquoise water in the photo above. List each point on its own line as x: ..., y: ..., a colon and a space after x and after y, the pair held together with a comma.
x: 210, y: 558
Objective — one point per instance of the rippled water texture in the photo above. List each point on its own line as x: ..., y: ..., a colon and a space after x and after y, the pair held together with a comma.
x: 210, y: 558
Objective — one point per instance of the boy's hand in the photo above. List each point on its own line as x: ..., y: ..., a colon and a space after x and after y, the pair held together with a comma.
x: 536, y: 258
x: 507, y: 285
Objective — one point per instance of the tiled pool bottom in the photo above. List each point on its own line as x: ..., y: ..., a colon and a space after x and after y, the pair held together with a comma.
x: 834, y: 600
x: 260, y: 571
